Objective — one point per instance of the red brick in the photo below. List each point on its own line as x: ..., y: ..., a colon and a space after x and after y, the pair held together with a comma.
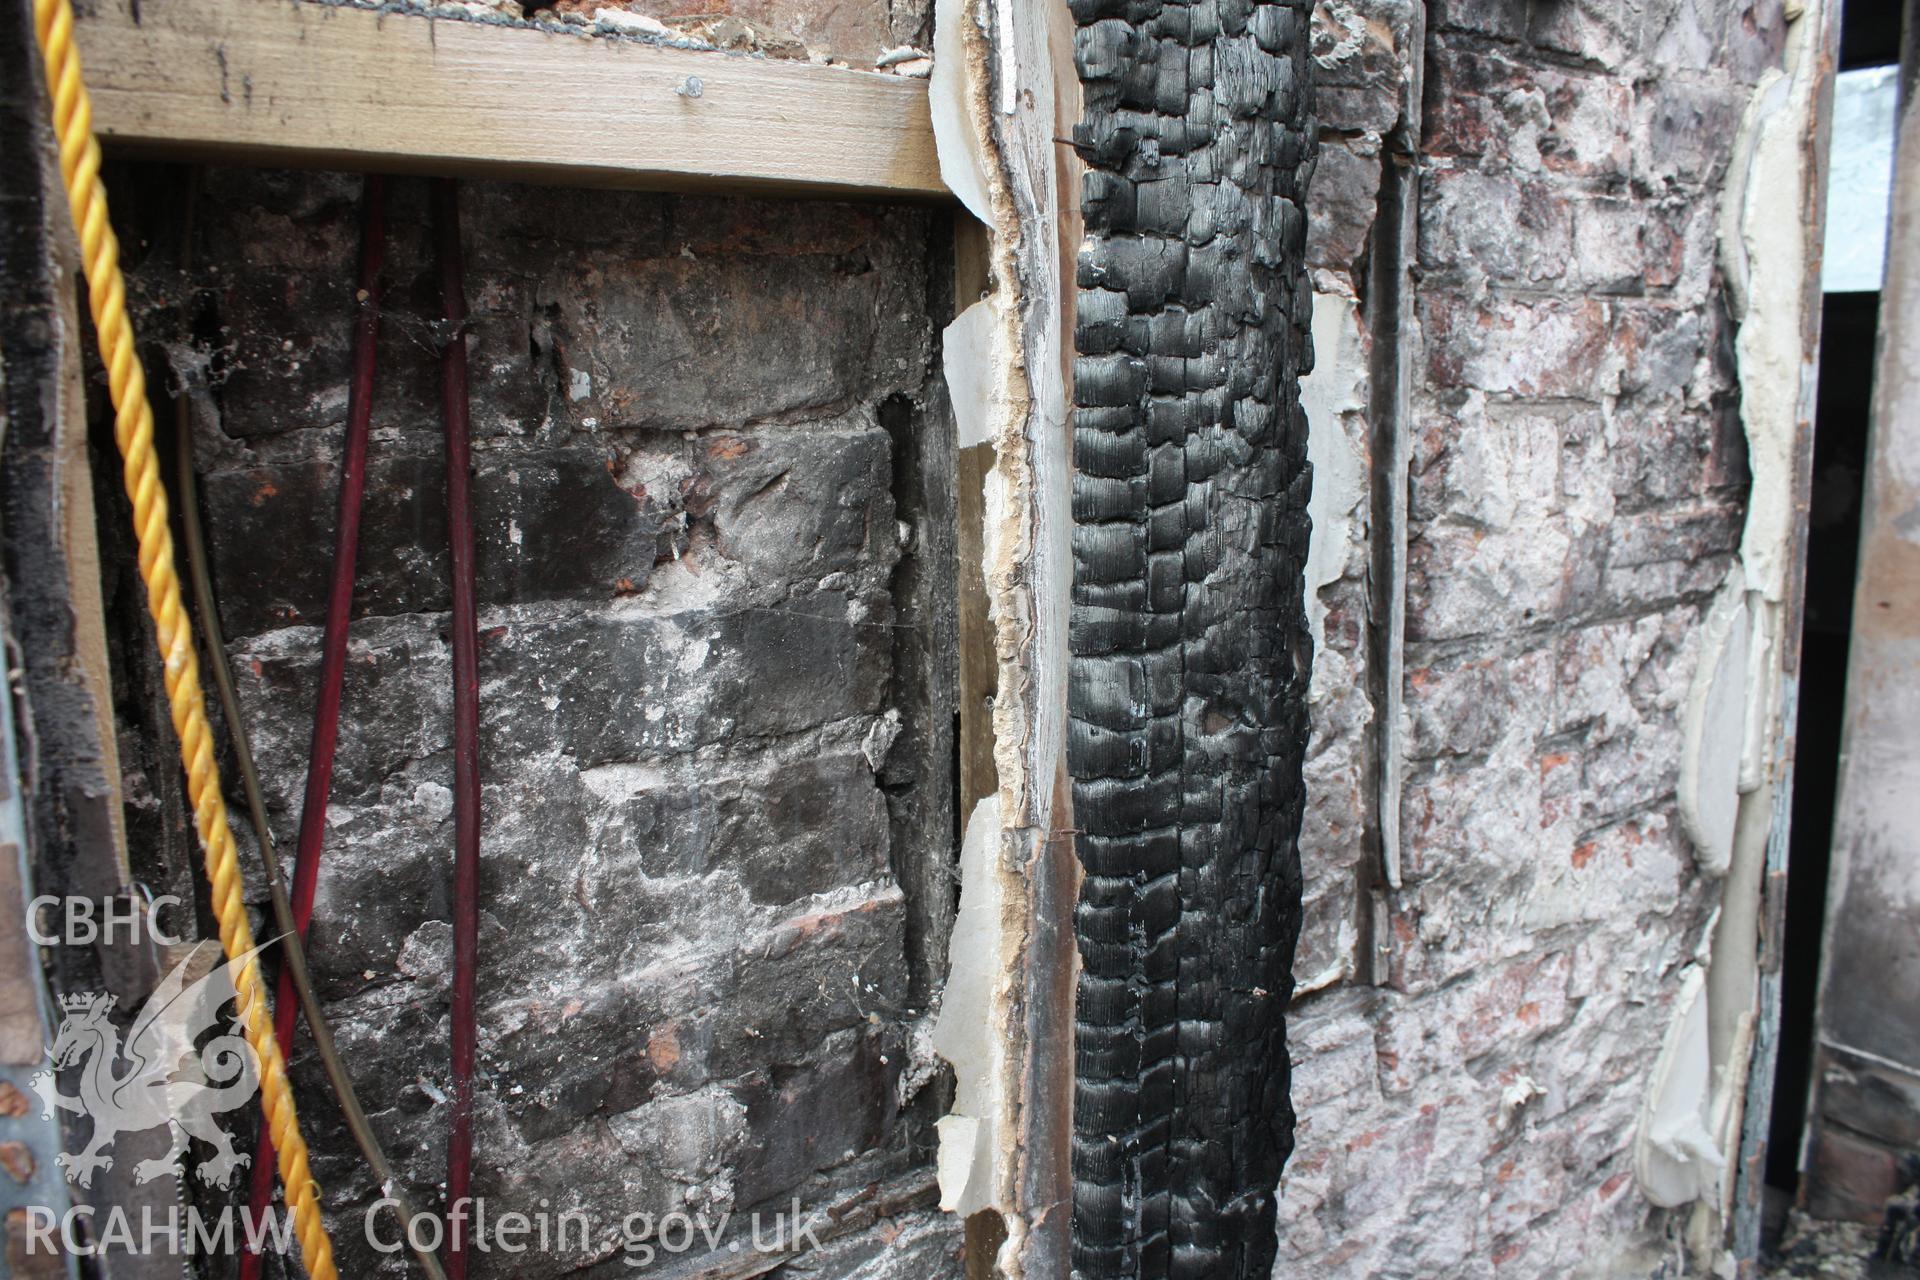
x: 1849, y: 1179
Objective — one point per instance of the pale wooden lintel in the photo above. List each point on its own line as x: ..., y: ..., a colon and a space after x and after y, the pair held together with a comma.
x: 317, y: 84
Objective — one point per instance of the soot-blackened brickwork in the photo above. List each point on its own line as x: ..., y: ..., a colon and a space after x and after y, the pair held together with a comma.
x: 1190, y: 649
x: 713, y: 779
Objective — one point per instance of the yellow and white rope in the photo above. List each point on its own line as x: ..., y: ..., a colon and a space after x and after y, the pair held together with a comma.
x: 133, y: 432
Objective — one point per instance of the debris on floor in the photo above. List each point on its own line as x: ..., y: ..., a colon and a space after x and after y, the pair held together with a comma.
x: 1832, y: 1251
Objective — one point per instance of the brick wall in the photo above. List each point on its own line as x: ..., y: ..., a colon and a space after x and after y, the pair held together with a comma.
x: 704, y: 973
x: 1576, y: 490
x: 853, y: 33
x: 703, y: 747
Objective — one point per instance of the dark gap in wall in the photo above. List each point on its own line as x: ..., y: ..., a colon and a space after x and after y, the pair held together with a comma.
x: 986, y: 1232
x: 1869, y: 34
x: 1849, y: 323
x: 959, y: 811
x: 1381, y: 281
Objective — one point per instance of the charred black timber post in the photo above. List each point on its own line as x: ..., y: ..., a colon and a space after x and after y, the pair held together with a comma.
x: 1191, y: 655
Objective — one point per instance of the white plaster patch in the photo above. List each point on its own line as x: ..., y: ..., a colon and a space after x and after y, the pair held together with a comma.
x: 1675, y: 1157
x: 956, y: 137
x: 966, y: 358
x: 693, y: 656
x: 632, y: 23
x: 1767, y: 259
x: 1515, y: 1097
x: 1715, y: 727
x: 879, y: 739
x: 964, y: 1033
x: 1758, y: 244
x: 1336, y: 387
x: 622, y: 781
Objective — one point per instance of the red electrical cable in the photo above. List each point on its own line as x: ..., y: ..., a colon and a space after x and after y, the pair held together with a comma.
x: 333, y: 649
x: 466, y: 720
x: 466, y: 677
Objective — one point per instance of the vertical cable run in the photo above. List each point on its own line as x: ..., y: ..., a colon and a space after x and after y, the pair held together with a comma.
x: 466, y: 718
x: 333, y: 659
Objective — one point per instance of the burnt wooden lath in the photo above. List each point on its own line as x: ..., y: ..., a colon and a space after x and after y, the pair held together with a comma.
x: 1190, y: 645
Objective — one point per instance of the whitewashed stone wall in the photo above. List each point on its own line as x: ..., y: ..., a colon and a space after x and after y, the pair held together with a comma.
x: 1471, y: 1055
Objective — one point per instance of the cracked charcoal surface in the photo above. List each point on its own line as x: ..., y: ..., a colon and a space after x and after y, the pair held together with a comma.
x: 1190, y: 648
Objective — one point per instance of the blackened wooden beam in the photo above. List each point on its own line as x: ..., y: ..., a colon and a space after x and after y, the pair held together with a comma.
x: 1190, y: 650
